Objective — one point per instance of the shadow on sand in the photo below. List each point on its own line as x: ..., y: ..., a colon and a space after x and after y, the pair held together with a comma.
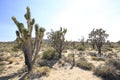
x: 20, y: 74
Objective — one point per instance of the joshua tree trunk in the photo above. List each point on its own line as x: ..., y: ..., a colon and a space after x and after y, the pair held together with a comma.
x: 60, y: 55
x: 99, y: 51
x: 73, y: 59
x: 93, y: 46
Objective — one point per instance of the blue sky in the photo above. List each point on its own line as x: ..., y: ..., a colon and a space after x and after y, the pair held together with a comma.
x: 78, y: 16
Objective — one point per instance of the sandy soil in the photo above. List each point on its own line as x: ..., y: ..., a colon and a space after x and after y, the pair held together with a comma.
x: 65, y: 73
x: 57, y: 72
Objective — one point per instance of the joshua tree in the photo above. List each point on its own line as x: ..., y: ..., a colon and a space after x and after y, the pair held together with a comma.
x: 30, y: 46
x: 98, y: 36
x: 109, y: 44
x: 92, y: 38
x: 57, y: 38
x: 82, y: 41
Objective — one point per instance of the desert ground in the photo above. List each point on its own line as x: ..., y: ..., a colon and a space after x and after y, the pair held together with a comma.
x: 12, y: 66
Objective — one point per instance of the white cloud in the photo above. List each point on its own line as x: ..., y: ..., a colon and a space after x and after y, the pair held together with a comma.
x: 81, y: 16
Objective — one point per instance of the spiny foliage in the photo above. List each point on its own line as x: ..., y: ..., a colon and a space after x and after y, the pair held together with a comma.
x: 29, y: 46
x: 57, y: 38
x: 97, y: 37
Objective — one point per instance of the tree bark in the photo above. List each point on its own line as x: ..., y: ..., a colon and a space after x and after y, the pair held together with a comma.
x: 99, y: 51
x: 60, y: 55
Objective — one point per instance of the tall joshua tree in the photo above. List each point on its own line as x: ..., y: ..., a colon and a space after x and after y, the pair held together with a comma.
x: 30, y: 47
x: 98, y: 36
x: 82, y: 41
x: 92, y: 38
x: 58, y: 39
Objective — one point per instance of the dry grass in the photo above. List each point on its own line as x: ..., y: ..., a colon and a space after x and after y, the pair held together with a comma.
x: 98, y: 58
x: 85, y: 65
x: 109, y: 71
x: 37, y: 72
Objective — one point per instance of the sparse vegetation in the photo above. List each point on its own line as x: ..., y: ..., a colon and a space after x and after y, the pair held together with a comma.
x: 37, y: 73
x: 82, y: 63
x: 109, y: 71
x: 114, y: 62
x: 98, y: 58
x: 24, y: 58
x: 15, y: 49
x: 81, y: 48
x: 42, y: 62
x: 69, y: 58
x: 49, y: 54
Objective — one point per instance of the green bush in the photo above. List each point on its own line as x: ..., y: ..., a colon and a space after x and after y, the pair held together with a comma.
x: 98, y: 58
x: 114, y: 62
x: 15, y: 48
x: 109, y: 49
x: 49, y: 54
x: 107, y: 73
x: 80, y: 48
x: 69, y: 58
x: 84, y: 65
x: 110, y: 71
x: 43, y: 70
x: 42, y: 62
x: 92, y: 54
x: 82, y: 59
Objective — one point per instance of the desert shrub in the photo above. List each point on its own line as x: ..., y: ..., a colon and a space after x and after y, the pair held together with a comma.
x: 61, y: 63
x: 106, y: 49
x: 81, y: 48
x: 98, y: 58
x: 107, y: 73
x: 15, y: 48
x: 43, y: 70
x: 85, y: 65
x: 82, y: 59
x: 112, y: 55
x: 38, y: 72
x: 69, y: 58
x: 114, y: 62
x: 4, y: 58
x: 49, y: 54
x: 42, y: 62
x: 110, y: 71
x: 82, y: 63
x: 109, y: 49
x: 92, y: 54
